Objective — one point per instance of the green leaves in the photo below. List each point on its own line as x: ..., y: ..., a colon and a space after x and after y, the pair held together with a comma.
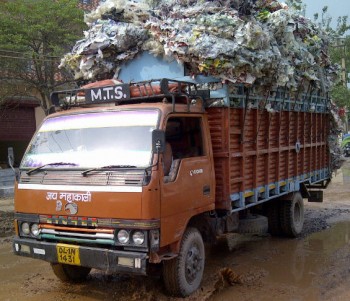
x: 339, y: 51
x: 45, y: 22
x: 341, y: 95
x: 35, y: 35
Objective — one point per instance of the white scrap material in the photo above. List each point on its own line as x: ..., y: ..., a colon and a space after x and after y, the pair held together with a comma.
x: 256, y: 42
x: 243, y: 41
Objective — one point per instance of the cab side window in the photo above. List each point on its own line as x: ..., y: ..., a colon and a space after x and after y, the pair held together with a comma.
x: 184, y: 134
x: 183, y: 137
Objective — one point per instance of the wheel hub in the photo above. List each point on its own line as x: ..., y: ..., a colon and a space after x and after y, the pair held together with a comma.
x: 193, y: 263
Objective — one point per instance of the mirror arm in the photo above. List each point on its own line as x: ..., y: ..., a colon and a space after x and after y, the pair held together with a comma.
x: 10, y: 160
x: 155, y: 164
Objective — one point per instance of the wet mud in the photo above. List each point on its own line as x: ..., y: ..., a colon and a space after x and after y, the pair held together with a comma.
x: 312, y: 267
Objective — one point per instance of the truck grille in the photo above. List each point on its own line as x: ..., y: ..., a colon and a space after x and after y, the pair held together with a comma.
x: 78, y: 235
x: 112, y: 178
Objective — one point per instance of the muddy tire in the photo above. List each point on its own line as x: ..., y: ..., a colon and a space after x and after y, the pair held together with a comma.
x: 70, y: 273
x: 253, y: 224
x: 292, y: 215
x: 183, y: 275
x: 274, y: 220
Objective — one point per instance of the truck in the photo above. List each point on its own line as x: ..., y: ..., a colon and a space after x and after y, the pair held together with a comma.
x: 128, y: 176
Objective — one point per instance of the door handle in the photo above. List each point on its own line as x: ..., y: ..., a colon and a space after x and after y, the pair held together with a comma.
x: 206, y: 190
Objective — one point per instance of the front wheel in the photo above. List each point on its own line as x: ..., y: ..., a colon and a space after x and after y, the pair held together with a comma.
x: 183, y: 275
x: 70, y: 273
x: 292, y: 215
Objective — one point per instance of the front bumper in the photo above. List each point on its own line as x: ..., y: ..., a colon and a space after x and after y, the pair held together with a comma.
x: 93, y: 257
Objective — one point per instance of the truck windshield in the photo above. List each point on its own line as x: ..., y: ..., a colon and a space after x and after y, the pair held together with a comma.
x: 92, y: 140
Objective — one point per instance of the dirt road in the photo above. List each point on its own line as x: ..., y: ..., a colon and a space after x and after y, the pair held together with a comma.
x: 313, y: 267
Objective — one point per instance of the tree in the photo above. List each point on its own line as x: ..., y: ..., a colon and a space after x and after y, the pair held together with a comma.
x: 325, y: 22
x: 34, y: 35
x: 339, y: 53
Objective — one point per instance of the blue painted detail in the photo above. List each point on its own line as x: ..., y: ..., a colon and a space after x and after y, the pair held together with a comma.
x: 316, y: 175
x: 234, y: 197
x: 314, y: 103
x: 292, y: 185
x: 241, y: 199
x: 267, y: 192
x: 239, y: 202
x: 284, y: 188
x: 146, y: 67
x: 256, y: 195
x: 221, y: 93
x: 277, y: 189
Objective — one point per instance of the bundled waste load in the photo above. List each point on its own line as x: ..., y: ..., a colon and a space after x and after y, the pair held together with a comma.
x: 241, y: 41
x: 260, y: 42
x: 337, y: 158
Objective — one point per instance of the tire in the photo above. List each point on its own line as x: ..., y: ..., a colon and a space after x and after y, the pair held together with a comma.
x: 273, y: 216
x: 183, y: 275
x: 70, y: 273
x: 253, y: 224
x: 292, y: 215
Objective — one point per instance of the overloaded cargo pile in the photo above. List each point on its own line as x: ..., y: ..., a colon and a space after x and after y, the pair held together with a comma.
x: 243, y: 41
x: 337, y: 158
x: 260, y: 42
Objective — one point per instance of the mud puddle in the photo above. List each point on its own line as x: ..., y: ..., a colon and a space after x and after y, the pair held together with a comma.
x: 297, y: 269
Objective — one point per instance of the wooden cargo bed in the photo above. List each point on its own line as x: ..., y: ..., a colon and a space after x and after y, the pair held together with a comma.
x: 260, y: 155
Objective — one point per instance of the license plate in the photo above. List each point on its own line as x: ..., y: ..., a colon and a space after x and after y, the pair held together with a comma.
x: 68, y: 254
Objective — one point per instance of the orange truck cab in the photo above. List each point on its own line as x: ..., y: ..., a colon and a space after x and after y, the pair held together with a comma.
x: 128, y: 175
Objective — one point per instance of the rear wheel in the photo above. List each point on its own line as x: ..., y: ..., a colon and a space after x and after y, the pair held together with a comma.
x: 183, y: 275
x: 292, y: 215
x: 70, y: 273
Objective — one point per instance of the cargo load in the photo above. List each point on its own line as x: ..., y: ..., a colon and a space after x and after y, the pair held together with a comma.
x: 240, y: 41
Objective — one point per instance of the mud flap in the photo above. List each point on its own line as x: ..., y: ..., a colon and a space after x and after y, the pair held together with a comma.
x: 304, y: 191
x: 316, y: 196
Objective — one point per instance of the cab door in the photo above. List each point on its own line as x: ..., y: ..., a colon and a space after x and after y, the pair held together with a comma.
x: 188, y: 184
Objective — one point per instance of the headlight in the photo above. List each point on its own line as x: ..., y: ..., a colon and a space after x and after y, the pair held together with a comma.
x: 123, y: 236
x: 35, y: 229
x: 25, y: 228
x: 138, y: 238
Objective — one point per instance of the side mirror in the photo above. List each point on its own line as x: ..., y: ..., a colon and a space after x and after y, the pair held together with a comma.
x: 10, y: 157
x: 158, y: 141
x: 11, y: 161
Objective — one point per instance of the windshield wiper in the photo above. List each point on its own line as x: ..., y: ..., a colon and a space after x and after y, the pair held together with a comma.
x: 29, y: 172
x: 85, y: 172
